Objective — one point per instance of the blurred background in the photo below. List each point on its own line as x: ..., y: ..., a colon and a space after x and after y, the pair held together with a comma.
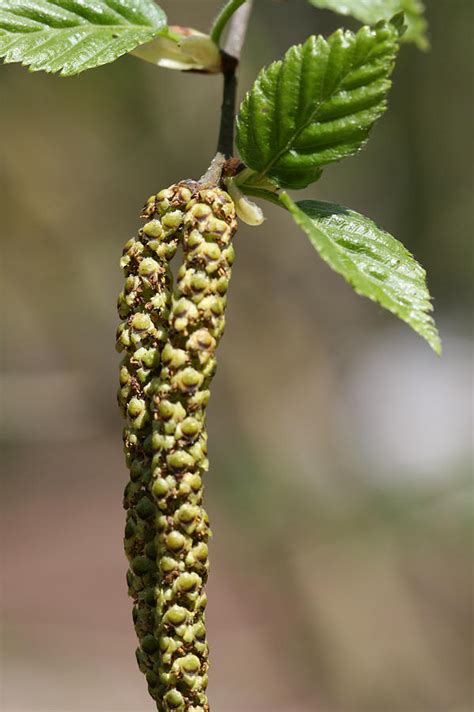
x: 340, y: 481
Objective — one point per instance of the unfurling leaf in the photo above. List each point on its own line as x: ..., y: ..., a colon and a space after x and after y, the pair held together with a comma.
x: 69, y: 36
x: 371, y: 11
x: 186, y: 49
x: 376, y: 264
x: 317, y: 105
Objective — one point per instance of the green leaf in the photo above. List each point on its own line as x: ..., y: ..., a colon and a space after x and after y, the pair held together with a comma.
x: 371, y: 11
x: 69, y: 36
x: 376, y: 264
x: 317, y: 105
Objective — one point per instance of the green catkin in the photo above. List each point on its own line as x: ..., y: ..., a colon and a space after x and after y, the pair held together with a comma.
x: 144, y: 309
x: 167, y: 529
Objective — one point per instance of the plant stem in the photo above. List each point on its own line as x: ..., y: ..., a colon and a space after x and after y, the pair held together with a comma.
x: 230, y: 63
x: 225, y: 144
x: 223, y: 18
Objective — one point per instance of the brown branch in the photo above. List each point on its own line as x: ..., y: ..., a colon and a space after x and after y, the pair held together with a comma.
x: 230, y: 62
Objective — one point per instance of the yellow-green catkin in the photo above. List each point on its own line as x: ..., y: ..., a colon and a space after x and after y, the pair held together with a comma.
x: 165, y: 399
x: 144, y: 308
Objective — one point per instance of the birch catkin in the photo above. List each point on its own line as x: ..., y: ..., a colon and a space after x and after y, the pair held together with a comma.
x: 170, y: 343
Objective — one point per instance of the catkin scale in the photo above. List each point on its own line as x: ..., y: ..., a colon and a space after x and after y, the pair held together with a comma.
x: 165, y: 378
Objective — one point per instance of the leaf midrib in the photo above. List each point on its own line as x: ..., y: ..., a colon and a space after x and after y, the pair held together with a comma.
x: 313, y: 116
x: 88, y: 27
x: 418, y: 309
x: 369, y: 240
x: 349, y: 255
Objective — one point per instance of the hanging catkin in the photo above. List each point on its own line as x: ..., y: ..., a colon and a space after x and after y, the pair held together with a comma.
x: 170, y: 345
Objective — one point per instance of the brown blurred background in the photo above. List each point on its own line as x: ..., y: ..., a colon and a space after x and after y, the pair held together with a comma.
x: 340, y: 482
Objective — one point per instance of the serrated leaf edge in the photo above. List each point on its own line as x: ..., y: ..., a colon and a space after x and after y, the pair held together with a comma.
x: 432, y: 338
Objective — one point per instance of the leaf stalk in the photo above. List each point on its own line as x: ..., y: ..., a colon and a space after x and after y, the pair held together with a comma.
x: 223, y: 18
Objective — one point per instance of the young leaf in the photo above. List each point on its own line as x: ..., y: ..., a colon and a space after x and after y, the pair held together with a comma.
x: 69, y: 36
x: 371, y: 11
x: 185, y: 50
x: 376, y: 264
x: 317, y: 105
